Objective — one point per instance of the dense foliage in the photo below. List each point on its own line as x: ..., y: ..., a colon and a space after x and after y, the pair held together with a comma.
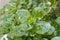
x: 31, y: 20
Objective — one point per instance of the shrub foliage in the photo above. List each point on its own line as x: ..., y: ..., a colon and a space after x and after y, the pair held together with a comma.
x: 30, y: 20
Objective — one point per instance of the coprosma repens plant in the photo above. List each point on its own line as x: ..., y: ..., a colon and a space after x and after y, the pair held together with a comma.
x: 30, y: 20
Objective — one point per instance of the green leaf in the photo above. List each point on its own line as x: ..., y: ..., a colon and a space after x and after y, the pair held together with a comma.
x: 44, y: 27
x: 56, y: 38
x: 23, y: 15
x: 41, y: 10
x: 51, y: 30
x: 58, y: 20
x: 25, y: 27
